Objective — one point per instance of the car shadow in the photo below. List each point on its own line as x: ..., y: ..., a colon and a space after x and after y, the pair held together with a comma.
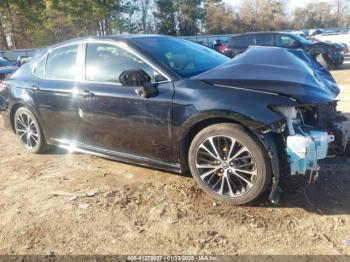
x: 329, y: 196
x: 57, y: 151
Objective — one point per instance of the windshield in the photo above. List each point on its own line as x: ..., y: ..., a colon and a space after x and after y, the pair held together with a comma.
x: 4, y: 62
x: 186, y: 58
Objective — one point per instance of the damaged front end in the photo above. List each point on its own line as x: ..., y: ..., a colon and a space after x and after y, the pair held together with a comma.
x: 310, y: 133
x: 305, y: 145
x: 303, y: 93
x: 313, y: 132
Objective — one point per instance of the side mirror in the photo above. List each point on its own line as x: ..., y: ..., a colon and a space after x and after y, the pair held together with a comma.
x: 134, y: 77
x: 139, y: 78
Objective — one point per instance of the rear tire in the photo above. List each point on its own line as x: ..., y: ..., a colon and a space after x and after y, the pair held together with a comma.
x: 28, y: 131
x: 229, y: 164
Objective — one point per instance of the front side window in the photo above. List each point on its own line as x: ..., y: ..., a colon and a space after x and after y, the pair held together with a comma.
x: 284, y: 41
x: 106, y: 62
x: 61, y: 63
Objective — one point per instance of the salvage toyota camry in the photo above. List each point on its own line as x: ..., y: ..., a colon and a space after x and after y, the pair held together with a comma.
x: 237, y: 125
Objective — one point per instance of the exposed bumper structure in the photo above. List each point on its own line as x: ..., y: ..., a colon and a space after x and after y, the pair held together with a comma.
x: 305, y: 145
x: 304, y: 150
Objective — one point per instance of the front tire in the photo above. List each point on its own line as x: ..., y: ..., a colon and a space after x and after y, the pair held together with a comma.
x: 28, y: 130
x: 229, y: 164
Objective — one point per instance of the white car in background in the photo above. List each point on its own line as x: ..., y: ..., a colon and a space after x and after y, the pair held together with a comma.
x: 335, y: 37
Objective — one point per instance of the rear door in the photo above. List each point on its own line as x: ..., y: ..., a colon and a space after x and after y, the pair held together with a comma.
x: 53, y: 92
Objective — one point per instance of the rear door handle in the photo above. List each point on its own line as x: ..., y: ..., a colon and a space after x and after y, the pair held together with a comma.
x: 87, y: 93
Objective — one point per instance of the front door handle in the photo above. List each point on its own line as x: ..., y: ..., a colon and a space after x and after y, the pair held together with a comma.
x: 34, y: 88
x: 86, y: 93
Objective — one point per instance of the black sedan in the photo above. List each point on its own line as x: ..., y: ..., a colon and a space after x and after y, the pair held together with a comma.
x: 169, y: 103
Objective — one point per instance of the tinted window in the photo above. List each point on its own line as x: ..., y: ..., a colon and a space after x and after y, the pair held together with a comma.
x: 105, y: 63
x: 264, y: 40
x: 243, y: 41
x: 40, y: 67
x: 4, y: 62
x: 284, y: 41
x: 61, y: 63
x: 184, y: 57
x: 302, y: 40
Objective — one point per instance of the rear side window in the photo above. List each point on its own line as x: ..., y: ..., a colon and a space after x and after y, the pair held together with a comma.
x: 242, y: 41
x: 264, y: 40
x: 61, y: 63
x: 40, y: 67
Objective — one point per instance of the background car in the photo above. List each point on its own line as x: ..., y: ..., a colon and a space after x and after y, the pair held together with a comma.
x: 21, y: 60
x: 329, y: 54
x: 6, y: 69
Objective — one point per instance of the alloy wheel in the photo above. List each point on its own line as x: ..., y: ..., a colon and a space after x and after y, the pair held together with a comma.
x: 226, y: 166
x: 27, y: 130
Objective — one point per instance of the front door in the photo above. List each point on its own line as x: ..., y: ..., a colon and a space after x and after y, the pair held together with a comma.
x: 112, y: 116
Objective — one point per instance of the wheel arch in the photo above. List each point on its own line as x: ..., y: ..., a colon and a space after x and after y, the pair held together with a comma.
x: 196, y: 127
x: 18, y: 104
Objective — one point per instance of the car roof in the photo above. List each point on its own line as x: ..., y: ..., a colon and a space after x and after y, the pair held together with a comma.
x: 262, y: 33
x: 110, y: 37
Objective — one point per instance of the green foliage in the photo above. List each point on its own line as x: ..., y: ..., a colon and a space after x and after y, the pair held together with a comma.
x: 165, y: 15
x: 179, y: 17
x: 36, y: 23
x: 33, y: 23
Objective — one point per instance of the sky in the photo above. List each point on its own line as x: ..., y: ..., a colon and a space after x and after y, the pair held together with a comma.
x: 292, y: 4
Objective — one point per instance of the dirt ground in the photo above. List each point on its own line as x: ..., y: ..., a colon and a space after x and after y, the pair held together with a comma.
x: 80, y: 204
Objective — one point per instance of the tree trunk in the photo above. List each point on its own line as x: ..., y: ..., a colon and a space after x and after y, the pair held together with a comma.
x: 3, y: 40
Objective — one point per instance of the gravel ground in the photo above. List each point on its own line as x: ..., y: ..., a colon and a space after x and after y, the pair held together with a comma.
x: 80, y: 204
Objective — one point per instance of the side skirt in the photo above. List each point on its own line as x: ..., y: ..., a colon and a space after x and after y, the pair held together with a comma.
x: 118, y: 156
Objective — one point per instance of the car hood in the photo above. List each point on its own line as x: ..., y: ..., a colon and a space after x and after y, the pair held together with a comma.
x: 324, y: 44
x: 292, y: 73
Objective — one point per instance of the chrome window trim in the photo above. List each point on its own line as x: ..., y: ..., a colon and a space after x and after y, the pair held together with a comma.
x: 36, y: 65
x: 127, y: 48
x: 78, y: 43
x: 81, y: 58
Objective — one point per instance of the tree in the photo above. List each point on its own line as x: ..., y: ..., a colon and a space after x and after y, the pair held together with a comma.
x: 36, y: 23
x: 189, y: 13
x: 263, y: 15
x: 314, y: 15
x: 165, y: 15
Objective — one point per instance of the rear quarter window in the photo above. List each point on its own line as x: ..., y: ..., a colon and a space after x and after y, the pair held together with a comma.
x: 40, y: 67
